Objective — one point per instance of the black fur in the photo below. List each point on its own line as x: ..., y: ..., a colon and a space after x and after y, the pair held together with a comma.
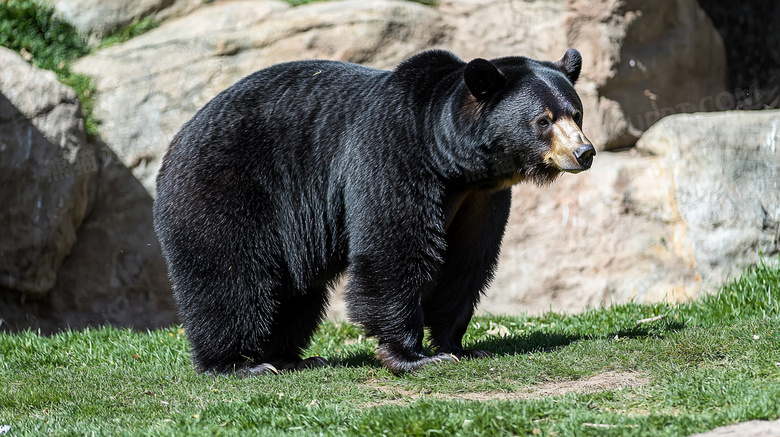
x: 304, y: 170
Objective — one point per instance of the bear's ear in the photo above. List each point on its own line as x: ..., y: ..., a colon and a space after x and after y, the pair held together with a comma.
x: 483, y: 78
x: 570, y: 64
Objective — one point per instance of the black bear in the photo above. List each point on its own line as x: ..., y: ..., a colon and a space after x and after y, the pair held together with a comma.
x: 305, y: 170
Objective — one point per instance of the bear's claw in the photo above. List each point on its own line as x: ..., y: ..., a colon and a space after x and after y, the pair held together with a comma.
x: 445, y: 357
x: 261, y: 369
x: 278, y: 366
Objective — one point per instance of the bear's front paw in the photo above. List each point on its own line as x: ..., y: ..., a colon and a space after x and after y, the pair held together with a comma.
x: 399, y: 363
x: 472, y: 353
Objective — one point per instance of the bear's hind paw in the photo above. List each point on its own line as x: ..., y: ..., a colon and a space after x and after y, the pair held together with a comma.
x: 308, y: 363
x: 260, y: 369
x: 278, y: 366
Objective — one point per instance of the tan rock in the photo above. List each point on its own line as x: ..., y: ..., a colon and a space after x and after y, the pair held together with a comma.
x: 98, y: 18
x: 643, y: 61
x: 593, y: 239
x: 495, y: 28
x: 693, y: 210
x: 725, y: 169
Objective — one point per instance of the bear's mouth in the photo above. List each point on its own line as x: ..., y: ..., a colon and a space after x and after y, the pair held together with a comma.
x: 556, y: 164
x: 570, y: 164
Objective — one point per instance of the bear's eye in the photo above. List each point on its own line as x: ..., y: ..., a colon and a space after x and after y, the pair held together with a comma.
x: 543, y: 122
x: 577, y: 117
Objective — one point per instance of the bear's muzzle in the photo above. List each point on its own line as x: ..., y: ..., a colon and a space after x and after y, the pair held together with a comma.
x: 570, y: 150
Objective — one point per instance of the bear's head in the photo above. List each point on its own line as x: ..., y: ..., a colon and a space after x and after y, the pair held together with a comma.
x: 531, y: 116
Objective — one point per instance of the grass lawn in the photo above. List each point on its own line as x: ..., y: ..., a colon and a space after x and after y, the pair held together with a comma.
x: 705, y: 364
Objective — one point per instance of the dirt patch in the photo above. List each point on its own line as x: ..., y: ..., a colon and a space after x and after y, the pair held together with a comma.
x: 596, y: 383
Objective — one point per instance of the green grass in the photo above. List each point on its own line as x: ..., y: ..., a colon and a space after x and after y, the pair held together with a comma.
x: 132, y: 30
x: 27, y: 26
x: 708, y: 363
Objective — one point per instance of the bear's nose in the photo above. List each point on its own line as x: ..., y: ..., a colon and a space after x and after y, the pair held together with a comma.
x: 584, y: 155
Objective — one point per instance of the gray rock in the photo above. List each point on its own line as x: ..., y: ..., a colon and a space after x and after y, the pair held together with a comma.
x: 149, y: 86
x: 114, y: 274
x: 78, y: 248
x: 753, y: 428
x: 726, y: 174
x: 45, y: 177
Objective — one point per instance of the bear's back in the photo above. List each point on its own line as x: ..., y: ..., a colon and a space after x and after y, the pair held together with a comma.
x: 279, y: 114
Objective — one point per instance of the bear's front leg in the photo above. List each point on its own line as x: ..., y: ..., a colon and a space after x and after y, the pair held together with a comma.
x: 473, y: 244
x: 394, y: 260
x: 385, y: 299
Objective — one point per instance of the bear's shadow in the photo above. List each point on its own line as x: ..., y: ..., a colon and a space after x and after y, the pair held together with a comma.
x: 540, y: 341
x: 522, y: 344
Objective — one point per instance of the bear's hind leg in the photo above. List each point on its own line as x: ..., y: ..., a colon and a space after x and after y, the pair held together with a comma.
x: 249, y: 329
x: 228, y: 326
x: 296, y: 319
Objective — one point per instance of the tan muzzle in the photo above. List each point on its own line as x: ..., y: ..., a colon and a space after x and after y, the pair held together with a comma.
x: 570, y: 151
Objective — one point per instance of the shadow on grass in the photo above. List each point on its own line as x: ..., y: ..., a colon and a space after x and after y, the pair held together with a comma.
x: 356, y: 359
x: 526, y: 343
x: 540, y: 341
x: 532, y: 342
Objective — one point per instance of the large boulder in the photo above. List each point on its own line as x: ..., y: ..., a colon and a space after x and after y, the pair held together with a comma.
x: 643, y: 61
x: 115, y: 273
x: 79, y: 247
x: 149, y: 86
x: 46, y: 174
x: 694, y: 205
x: 725, y: 170
x: 583, y: 242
